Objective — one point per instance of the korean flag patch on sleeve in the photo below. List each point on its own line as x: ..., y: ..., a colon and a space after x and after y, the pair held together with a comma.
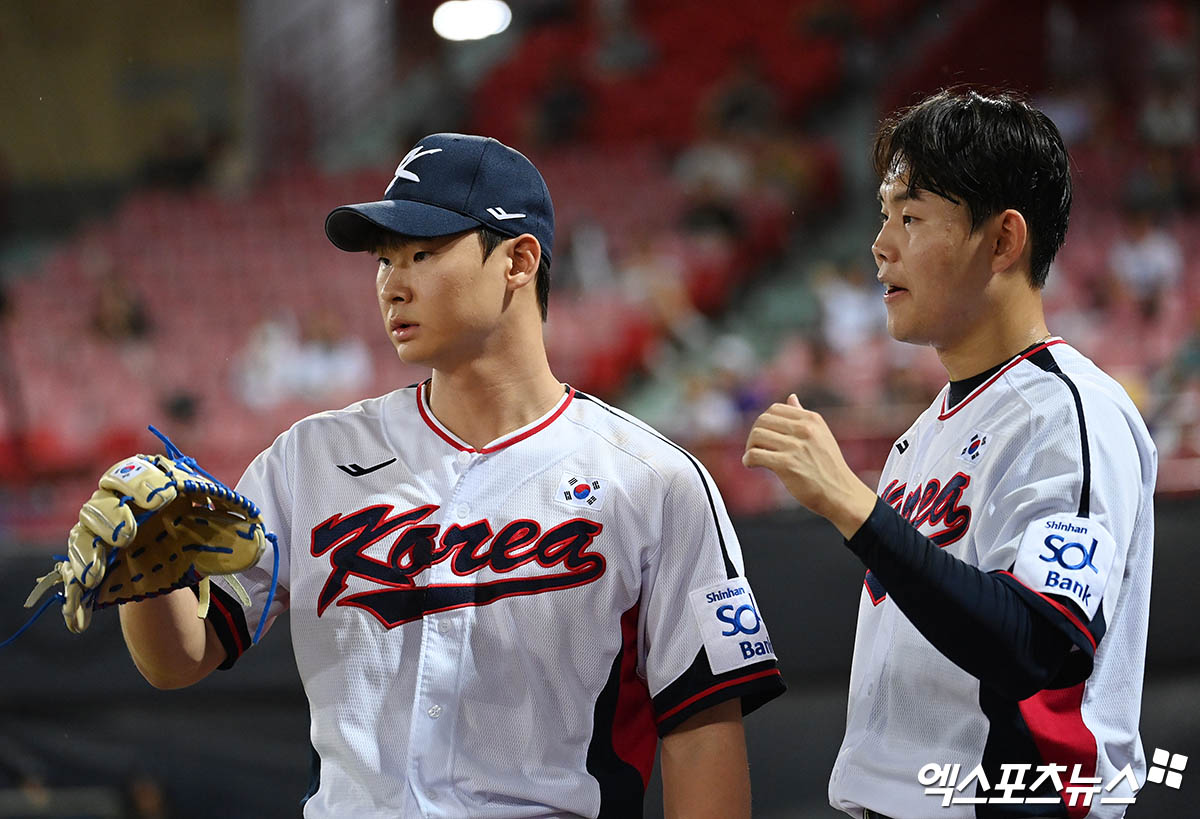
x: 733, y: 632
x: 1068, y: 556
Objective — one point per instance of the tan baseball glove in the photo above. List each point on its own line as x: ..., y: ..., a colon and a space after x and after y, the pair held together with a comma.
x: 156, y: 523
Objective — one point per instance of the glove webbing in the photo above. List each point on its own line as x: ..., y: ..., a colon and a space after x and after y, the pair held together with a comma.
x: 211, y: 486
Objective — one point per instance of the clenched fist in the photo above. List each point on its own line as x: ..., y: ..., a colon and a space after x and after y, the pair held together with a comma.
x: 798, y: 447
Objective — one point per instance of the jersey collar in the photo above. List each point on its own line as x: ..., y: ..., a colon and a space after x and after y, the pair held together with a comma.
x: 500, y: 443
x: 946, y: 413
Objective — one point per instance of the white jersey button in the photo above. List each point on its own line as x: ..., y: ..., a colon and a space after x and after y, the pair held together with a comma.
x: 434, y: 711
x: 443, y: 627
x: 463, y: 510
x: 464, y: 458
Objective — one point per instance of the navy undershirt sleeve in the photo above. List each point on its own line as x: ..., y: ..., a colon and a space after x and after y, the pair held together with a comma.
x: 1012, y: 642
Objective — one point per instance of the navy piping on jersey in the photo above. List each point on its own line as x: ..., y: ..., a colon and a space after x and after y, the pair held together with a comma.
x: 948, y: 410
x: 730, y: 570
x: 1045, y: 359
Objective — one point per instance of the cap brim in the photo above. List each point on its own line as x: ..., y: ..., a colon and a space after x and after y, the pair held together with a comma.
x: 350, y: 226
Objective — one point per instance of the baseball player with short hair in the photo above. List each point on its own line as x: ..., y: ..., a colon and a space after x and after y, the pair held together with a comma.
x: 502, y: 591
x: 1002, y: 622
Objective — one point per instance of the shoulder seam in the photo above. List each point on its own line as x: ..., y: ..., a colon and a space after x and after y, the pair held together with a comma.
x: 1045, y: 360
x: 730, y: 569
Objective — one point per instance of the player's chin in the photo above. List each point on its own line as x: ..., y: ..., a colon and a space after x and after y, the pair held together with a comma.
x: 413, y: 353
x: 902, y: 328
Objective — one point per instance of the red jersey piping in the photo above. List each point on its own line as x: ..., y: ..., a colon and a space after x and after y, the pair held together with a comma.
x: 947, y: 413
x: 502, y: 443
x: 712, y: 690
x: 1062, y: 609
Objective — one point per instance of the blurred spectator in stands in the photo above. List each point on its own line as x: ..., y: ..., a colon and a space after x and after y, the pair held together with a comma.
x: 1145, y: 261
x: 744, y: 101
x: 227, y: 164
x: 621, y: 48
x: 709, y: 415
x: 852, y: 310
x: 1174, y: 414
x: 562, y: 112
x: 181, y: 410
x: 1074, y: 103
x: 713, y: 173
x: 120, y: 313
x: 652, y: 276
x: 329, y: 363
x: 281, y: 362
x: 905, y: 385
x: 713, y: 161
x: 1168, y: 115
x: 819, y: 391
x: 262, y: 368
x: 735, y: 365
x: 12, y: 397
x: 710, y: 211
x: 586, y: 262
x: 178, y: 159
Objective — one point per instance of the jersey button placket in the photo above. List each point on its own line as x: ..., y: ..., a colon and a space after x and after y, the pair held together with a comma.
x: 437, y: 685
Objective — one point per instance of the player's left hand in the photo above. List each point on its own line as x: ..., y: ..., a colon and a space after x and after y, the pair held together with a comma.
x: 797, y: 445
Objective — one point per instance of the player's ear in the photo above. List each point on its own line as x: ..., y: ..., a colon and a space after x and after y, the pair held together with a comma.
x: 524, y: 256
x: 1011, y: 241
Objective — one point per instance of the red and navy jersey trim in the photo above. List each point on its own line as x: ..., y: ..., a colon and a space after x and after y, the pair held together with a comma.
x: 1047, y: 728
x: 229, y: 622
x: 946, y: 413
x: 698, y: 689
x: 621, y: 754
x: 1069, y: 619
x: 504, y: 443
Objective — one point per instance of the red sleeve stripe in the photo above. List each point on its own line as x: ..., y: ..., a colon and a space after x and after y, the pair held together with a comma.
x: 1063, y: 610
x: 215, y: 601
x: 708, y: 691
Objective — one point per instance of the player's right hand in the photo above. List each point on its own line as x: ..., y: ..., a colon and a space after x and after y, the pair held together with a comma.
x: 798, y: 446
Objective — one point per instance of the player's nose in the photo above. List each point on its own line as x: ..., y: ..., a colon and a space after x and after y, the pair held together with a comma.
x: 393, y: 286
x: 883, y: 250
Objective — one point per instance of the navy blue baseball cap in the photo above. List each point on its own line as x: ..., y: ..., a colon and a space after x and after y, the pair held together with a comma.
x: 449, y: 183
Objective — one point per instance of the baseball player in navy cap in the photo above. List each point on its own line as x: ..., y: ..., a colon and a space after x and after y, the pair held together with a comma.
x: 502, y: 591
x: 1002, y: 621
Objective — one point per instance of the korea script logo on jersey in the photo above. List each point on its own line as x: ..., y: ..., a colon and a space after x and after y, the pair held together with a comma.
x: 470, y: 549
x: 930, y: 505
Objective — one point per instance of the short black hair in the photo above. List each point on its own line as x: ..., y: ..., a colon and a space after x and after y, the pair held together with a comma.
x: 993, y: 152
x: 378, y: 238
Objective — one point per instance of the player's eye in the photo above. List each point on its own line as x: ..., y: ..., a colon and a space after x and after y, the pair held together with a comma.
x: 421, y: 255
x: 384, y: 261
x: 908, y: 220
x: 883, y: 217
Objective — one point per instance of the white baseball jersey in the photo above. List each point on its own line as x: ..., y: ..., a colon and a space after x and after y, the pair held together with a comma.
x: 504, y: 631
x: 1045, y: 471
